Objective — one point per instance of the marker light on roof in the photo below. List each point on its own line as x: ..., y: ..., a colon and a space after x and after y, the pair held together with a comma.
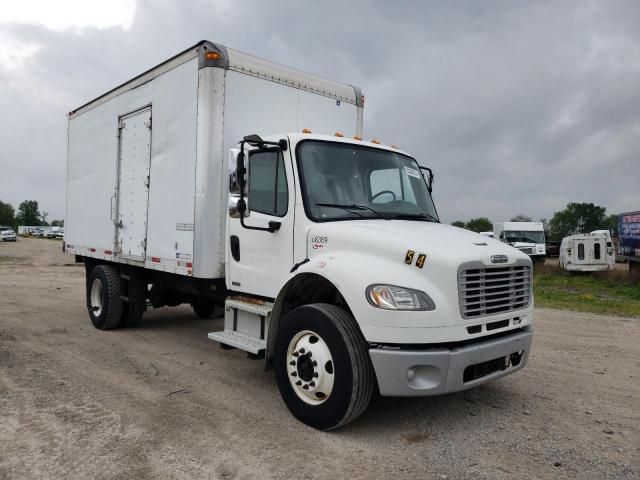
x: 357, y: 137
x: 306, y: 130
x: 373, y: 140
x: 338, y: 134
x: 394, y: 146
x: 211, y: 56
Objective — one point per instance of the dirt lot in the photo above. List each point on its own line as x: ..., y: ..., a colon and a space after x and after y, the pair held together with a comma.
x: 163, y: 401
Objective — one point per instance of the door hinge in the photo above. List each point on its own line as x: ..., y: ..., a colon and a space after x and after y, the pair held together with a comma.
x: 147, y: 182
x: 149, y: 123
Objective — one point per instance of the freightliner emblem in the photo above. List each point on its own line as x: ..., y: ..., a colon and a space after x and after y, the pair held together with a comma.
x: 499, y: 259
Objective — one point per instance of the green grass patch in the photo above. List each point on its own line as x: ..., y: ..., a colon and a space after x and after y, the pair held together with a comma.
x: 612, y: 292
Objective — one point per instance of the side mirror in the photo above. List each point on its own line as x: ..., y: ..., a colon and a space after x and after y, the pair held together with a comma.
x: 237, y: 178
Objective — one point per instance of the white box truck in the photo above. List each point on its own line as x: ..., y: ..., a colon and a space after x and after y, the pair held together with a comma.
x: 528, y: 237
x: 192, y: 184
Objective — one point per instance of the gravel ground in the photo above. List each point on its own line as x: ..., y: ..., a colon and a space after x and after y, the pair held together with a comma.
x: 163, y: 401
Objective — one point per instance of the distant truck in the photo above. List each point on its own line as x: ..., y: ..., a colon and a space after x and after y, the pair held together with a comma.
x: 528, y: 237
x: 629, y: 239
x: 326, y: 251
x: 587, y: 252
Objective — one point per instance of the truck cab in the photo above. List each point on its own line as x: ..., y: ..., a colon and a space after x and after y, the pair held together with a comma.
x: 335, y: 248
x: 528, y: 237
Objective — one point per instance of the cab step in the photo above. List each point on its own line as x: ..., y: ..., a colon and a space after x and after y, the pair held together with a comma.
x: 246, y: 322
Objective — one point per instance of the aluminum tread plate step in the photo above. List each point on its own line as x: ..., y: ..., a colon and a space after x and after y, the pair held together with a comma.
x: 239, y: 340
x: 261, y: 309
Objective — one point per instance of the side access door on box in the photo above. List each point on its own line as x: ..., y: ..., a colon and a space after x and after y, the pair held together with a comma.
x: 134, y: 164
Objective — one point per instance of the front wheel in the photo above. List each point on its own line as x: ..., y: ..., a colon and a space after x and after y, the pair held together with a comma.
x: 322, y: 366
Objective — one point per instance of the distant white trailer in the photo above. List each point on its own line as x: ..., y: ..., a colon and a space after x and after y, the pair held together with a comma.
x: 587, y: 252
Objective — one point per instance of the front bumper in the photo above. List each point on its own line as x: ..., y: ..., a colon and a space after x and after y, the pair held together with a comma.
x: 412, y: 373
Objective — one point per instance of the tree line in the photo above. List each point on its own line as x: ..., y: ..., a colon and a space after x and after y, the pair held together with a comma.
x: 575, y: 218
x: 28, y: 214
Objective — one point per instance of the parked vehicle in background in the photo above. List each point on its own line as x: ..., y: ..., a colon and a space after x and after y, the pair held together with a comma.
x: 37, y: 232
x: 552, y: 248
x: 60, y: 233
x: 528, y: 237
x: 587, y: 252
x: 487, y: 234
x: 325, y: 250
x: 8, y: 235
x: 54, y: 231
x: 629, y: 239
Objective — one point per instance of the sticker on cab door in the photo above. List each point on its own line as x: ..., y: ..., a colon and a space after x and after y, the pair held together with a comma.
x: 412, y: 172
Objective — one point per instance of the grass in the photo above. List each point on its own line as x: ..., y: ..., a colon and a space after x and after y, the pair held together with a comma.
x: 612, y: 292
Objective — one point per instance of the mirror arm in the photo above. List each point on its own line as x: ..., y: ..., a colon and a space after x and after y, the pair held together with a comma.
x: 429, y: 176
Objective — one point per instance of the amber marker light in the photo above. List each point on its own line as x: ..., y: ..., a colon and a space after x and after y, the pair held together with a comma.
x: 211, y: 56
x: 357, y: 138
x: 338, y: 134
x: 306, y: 130
x: 373, y: 140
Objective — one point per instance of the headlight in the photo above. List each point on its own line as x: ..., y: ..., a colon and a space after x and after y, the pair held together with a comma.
x: 390, y: 297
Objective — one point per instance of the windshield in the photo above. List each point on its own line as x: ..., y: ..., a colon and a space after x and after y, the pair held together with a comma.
x: 344, y: 181
x: 525, y: 237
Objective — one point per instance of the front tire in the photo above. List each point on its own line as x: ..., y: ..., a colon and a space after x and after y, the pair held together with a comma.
x: 322, y: 366
x: 203, y: 308
x: 103, y: 297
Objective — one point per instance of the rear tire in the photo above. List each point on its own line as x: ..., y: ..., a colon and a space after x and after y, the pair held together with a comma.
x: 203, y: 308
x: 342, y: 369
x: 133, y: 310
x: 103, y: 297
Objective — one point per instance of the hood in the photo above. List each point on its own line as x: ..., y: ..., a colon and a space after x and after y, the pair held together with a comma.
x: 439, y: 242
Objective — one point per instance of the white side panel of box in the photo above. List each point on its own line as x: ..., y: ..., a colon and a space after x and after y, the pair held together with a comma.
x: 92, y: 166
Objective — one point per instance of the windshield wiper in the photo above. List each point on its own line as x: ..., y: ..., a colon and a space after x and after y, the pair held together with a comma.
x: 348, y: 208
x: 425, y: 216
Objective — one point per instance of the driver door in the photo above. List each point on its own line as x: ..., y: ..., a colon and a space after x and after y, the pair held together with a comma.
x: 259, y: 261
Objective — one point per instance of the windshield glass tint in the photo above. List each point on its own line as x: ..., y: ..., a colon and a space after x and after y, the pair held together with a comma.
x: 528, y: 237
x: 352, y: 175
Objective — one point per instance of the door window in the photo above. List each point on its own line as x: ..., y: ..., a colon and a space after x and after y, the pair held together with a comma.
x: 596, y: 251
x: 268, y: 183
x: 581, y: 251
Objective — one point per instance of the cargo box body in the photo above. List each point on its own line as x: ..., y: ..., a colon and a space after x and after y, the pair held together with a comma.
x: 147, y: 173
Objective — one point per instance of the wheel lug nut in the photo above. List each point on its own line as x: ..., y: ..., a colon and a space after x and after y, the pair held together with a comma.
x: 294, y: 374
x: 299, y: 382
x: 292, y: 362
x: 315, y: 364
x: 305, y: 386
x: 295, y: 354
x: 302, y: 350
x: 312, y: 383
x: 315, y: 374
x: 309, y: 354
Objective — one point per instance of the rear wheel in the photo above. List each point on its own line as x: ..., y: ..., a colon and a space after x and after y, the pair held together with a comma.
x: 103, y: 297
x: 322, y: 366
x: 203, y: 308
x: 133, y: 309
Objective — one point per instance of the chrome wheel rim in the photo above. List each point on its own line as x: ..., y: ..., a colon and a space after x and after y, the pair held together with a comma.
x: 96, y: 297
x: 310, y: 367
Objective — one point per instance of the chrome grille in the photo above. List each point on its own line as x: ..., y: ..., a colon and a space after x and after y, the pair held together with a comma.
x: 487, y: 290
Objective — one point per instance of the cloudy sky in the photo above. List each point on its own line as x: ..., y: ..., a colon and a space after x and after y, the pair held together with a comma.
x: 519, y: 107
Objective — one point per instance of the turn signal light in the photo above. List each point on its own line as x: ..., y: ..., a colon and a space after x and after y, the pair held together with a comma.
x: 338, y: 134
x: 373, y: 140
x: 306, y: 130
x: 211, y: 56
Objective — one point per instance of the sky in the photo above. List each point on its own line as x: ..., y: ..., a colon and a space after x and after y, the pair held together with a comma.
x: 518, y: 107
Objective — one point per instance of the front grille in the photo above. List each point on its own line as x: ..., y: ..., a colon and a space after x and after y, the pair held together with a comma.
x: 487, y: 290
x: 527, y: 250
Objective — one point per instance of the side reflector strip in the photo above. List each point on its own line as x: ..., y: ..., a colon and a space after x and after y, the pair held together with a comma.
x: 189, y: 264
x: 155, y: 259
x: 92, y: 249
x: 108, y: 252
